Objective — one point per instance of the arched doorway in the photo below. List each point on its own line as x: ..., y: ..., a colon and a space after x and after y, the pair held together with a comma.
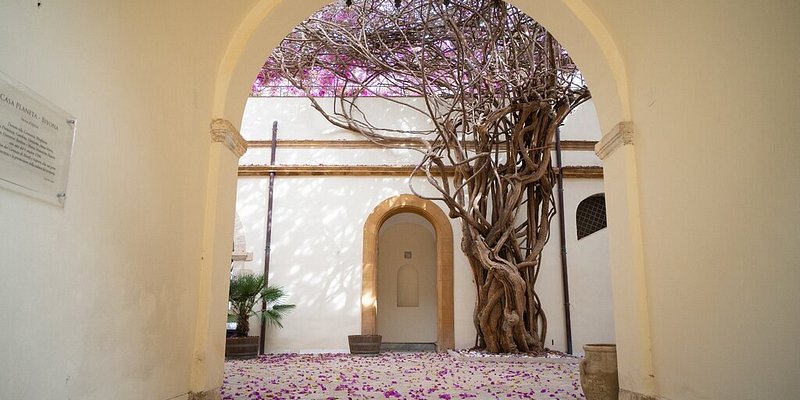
x: 584, y: 35
x: 406, y: 203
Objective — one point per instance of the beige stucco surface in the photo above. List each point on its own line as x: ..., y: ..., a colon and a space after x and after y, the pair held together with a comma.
x: 317, y: 255
x: 716, y: 153
x: 99, y: 299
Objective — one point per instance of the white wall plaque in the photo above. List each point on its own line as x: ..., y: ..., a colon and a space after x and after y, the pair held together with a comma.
x: 35, y: 143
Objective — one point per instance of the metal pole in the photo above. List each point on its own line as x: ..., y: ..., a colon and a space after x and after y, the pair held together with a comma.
x: 268, y: 240
x: 563, y: 242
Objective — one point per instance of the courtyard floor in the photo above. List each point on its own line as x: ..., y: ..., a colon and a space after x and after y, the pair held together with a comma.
x: 398, y: 375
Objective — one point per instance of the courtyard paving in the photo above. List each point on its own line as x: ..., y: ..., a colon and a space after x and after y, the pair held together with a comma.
x: 398, y: 376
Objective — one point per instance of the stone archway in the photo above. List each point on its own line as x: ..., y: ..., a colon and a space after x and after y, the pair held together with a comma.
x: 572, y: 22
x: 594, y: 49
x: 406, y: 203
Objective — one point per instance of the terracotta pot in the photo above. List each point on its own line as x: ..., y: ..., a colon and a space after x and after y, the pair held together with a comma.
x: 599, y: 379
x: 241, y: 347
x: 364, y: 344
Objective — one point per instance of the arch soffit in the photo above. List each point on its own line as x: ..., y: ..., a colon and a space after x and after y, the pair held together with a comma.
x: 412, y: 204
x: 572, y: 22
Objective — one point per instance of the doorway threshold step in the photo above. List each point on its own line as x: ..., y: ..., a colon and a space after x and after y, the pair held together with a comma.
x: 408, y: 347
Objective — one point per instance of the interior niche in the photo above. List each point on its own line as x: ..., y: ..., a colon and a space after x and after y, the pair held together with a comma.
x: 407, y: 286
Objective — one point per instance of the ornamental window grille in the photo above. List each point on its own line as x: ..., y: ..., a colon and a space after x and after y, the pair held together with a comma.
x: 590, y: 216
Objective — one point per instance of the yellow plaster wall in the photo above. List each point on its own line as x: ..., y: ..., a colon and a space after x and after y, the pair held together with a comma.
x: 714, y: 105
x: 98, y: 300
x: 209, y: 341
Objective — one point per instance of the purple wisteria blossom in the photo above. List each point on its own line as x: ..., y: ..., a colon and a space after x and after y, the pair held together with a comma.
x: 397, y: 376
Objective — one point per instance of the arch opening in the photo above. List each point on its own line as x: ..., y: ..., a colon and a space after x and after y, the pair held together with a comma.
x: 575, y: 26
x: 406, y: 291
x: 406, y: 203
x: 572, y: 22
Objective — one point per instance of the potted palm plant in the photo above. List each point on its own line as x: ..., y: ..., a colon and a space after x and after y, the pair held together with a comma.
x: 246, y: 292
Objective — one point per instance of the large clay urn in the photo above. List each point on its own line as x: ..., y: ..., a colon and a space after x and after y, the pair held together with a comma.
x: 599, y: 372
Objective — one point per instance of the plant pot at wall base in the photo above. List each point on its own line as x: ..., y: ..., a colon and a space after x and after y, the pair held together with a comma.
x: 241, y: 347
x: 599, y: 379
x: 364, y: 344
x: 244, y: 293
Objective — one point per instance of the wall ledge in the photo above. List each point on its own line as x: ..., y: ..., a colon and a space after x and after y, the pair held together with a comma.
x: 566, y: 145
x: 590, y: 172
x: 223, y: 131
x: 211, y: 394
x: 628, y: 395
x: 620, y: 135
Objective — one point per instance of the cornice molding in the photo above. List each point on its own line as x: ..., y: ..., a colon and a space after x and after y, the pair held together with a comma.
x: 567, y: 145
x: 590, y: 172
x: 329, y: 170
x: 622, y: 134
x: 223, y: 131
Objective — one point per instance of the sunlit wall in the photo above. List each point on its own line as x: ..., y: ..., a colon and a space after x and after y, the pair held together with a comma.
x: 316, y: 249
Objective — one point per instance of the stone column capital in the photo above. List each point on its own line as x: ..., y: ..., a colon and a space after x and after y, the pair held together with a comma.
x: 622, y: 134
x: 223, y: 131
